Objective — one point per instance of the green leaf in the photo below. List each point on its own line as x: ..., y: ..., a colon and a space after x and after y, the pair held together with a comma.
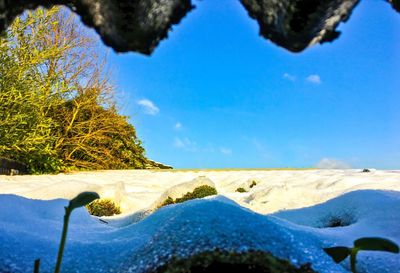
x: 376, y: 244
x: 338, y: 253
x: 82, y: 199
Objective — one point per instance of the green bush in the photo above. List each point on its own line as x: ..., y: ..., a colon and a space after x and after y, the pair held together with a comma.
x: 103, y: 207
x: 240, y: 190
x: 199, y: 192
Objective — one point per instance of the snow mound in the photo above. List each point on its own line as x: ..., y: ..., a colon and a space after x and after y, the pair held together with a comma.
x: 174, y: 192
x: 342, y: 220
x: 30, y: 229
x: 137, y: 190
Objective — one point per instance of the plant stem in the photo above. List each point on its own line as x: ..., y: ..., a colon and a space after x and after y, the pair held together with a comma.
x: 63, y: 237
x: 37, y: 265
x: 353, y: 261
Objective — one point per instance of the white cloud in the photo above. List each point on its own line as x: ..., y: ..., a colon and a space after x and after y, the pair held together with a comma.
x: 314, y: 78
x: 185, y: 144
x: 149, y: 107
x: 225, y: 151
x: 261, y: 149
x: 331, y: 163
x: 178, y: 126
x: 179, y: 143
x: 289, y: 77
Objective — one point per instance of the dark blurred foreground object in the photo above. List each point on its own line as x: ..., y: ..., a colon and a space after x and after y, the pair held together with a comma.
x: 395, y: 4
x: 132, y: 25
x: 224, y: 261
x: 12, y: 167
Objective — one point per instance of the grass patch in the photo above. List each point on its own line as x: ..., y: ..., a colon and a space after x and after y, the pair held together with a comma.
x: 241, y: 190
x: 199, y: 192
x: 338, y: 221
x: 103, y: 207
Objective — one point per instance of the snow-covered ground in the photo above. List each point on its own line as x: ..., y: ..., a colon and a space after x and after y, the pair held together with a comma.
x: 274, y: 215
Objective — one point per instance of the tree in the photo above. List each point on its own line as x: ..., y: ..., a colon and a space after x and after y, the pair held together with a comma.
x: 57, y: 107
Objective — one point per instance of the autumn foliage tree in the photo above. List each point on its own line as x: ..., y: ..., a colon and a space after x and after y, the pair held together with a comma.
x: 57, y: 107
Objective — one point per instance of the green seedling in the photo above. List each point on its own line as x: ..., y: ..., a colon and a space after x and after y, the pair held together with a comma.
x: 80, y: 200
x: 340, y: 253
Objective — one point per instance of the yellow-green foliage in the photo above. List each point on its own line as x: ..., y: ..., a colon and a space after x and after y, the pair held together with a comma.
x: 168, y: 201
x: 57, y: 110
x: 199, y: 192
x: 103, y: 207
x: 224, y: 261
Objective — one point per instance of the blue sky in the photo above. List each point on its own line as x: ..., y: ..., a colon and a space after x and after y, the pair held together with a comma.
x: 217, y: 95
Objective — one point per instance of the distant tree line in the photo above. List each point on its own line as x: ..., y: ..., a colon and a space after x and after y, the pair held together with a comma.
x: 57, y: 106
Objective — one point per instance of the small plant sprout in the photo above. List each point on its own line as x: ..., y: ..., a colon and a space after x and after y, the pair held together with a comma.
x: 80, y: 200
x: 340, y: 253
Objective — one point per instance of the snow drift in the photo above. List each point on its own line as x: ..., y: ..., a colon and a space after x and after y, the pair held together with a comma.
x: 292, y: 214
x: 30, y: 229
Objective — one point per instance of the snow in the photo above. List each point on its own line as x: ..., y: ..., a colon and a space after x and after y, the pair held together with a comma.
x: 286, y: 213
